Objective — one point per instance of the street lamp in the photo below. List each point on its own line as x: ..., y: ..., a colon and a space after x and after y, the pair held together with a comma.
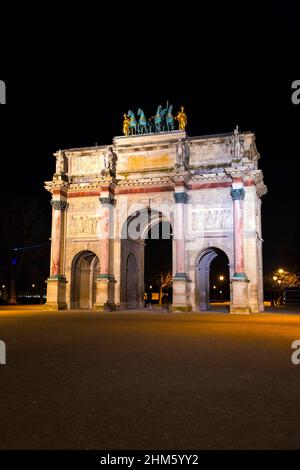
x: 221, y: 292
x: 281, y: 271
x: 214, y: 297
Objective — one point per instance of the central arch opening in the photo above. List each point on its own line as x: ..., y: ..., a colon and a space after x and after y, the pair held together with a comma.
x: 146, y: 259
x: 158, y: 264
x: 213, y: 276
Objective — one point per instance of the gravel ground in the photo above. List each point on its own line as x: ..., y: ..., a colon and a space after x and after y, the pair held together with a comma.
x: 148, y: 380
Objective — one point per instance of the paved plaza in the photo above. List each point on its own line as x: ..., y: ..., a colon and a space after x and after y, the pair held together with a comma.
x: 138, y: 380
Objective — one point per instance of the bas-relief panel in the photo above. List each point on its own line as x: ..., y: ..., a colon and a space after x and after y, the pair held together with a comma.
x: 212, y: 197
x: 211, y: 219
x: 83, y: 217
x: 84, y: 225
x: 86, y: 165
x: 209, y: 153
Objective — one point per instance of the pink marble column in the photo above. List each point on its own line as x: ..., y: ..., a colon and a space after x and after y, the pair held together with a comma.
x: 57, y: 208
x: 238, y: 195
x: 181, y: 198
x: 107, y: 203
x: 104, y: 248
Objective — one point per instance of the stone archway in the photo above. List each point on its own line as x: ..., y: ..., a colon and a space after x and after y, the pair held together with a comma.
x: 203, y: 276
x: 134, y: 232
x: 85, y: 269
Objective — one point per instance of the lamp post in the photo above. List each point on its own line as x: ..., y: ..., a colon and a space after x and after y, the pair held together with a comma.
x: 221, y: 291
x: 278, y: 280
x: 3, y: 293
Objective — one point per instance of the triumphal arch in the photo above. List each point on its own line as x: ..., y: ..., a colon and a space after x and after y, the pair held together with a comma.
x: 107, y: 199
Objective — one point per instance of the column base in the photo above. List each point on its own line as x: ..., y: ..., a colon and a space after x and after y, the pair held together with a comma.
x: 181, y: 308
x: 256, y: 308
x: 55, y: 306
x: 105, y: 287
x: 180, y: 300
x: 56, y: 293
x: 239, y: 310
x: 107, y: 307
x: 240, y: 295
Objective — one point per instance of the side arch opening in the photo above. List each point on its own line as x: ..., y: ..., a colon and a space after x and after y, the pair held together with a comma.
x: 85, y: 269
x: 212, y: 280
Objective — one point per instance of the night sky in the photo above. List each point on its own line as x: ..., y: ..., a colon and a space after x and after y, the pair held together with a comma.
x: 227, y: 67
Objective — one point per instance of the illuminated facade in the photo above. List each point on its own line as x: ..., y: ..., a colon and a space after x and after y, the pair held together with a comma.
x: 105, y: 199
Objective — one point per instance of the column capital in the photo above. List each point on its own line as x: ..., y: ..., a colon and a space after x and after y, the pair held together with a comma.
x: 107, y: 201
x: 181, y: 197
x: 237, y: 194
x: 59, y: 205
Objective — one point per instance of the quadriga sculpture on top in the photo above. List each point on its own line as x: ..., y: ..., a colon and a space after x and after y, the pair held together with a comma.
x: 162, y: 121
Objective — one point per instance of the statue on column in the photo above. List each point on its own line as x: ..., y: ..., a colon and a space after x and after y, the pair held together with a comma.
x: 182, y: 155
x: 182, y: 119
x: 110, y: 163
x: 237, y: 145
x: 60, y: 162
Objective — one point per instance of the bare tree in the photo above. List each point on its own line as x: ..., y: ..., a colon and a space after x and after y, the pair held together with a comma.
x: 164, y: 281
x: 23, y: 227
x: 279, y: 280
x: 283, y: 279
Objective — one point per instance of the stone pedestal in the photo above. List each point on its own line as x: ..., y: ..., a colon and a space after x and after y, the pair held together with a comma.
x: 240, y: 296
x: 56, y: 293
x: 240, y: 282
x: 180, y: 293
x: 105, y: 286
